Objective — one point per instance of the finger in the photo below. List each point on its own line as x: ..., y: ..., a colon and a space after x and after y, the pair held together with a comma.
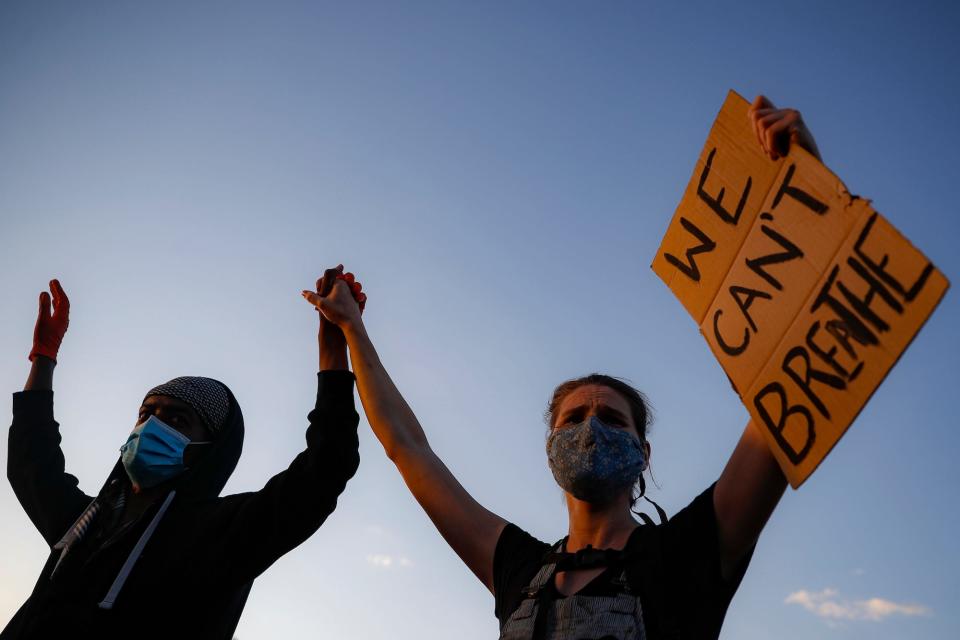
x: 761, y: 124
x: 758, y: 132
x: 758, y: 119
x: 44, y: 305
x: 312, y: 297
x: 356, y: 287
x: 761, y: 102
x: 326, y: 283
x: 778, y: 137
x: 61, y: 303
x: 349, y: 277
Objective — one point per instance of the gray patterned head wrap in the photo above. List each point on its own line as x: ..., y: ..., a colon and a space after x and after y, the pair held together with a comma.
x: 206, y: 396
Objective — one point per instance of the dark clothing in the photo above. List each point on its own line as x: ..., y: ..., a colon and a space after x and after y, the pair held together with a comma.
x: 673, y: 567
x: 197, y: 567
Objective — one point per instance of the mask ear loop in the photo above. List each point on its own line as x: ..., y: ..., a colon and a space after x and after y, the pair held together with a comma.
x: 643, y: 490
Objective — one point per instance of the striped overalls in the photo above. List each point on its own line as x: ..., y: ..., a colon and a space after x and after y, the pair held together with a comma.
x: 576, y: 617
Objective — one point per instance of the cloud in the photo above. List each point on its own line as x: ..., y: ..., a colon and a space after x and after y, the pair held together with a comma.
x: 386, y: 561
x: 828, y: 605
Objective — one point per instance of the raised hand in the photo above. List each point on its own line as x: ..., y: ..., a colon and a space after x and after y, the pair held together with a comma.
x: 51, y: 327
x: 777, y: 129
x: 340, y: 301
x: 333, y: 344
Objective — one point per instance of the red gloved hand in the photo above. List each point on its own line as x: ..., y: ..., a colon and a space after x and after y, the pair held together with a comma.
x: 48, y: 334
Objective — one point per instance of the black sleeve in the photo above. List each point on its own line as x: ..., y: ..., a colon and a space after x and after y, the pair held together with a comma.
x: 516, y: 560
x: 35, y: 467
x: 257, y: 528
x: 686, y: 591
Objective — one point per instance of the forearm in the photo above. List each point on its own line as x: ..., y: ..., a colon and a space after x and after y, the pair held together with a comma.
x: 333, y: 347
x: 41, y: 374
x: 391, y: 418
x: 746, y: 494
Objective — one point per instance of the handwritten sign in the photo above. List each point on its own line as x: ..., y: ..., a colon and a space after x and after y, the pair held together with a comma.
x: 806, y: 295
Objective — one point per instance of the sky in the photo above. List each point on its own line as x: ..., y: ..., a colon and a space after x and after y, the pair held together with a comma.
x: 499, y: 175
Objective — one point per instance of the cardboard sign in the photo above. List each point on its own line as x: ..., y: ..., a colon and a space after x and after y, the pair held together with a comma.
x: 805, y: 294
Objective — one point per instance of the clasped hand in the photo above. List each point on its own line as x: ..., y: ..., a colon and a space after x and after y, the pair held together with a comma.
x: 339, y: 297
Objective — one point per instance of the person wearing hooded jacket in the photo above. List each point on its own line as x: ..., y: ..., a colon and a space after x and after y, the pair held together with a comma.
x: 157, y: 552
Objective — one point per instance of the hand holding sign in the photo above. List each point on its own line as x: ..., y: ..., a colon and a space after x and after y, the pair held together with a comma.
x: 806, y: 295
x: 777, y: 129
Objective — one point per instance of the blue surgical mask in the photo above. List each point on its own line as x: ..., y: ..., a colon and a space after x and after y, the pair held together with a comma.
x: 594, y: 462
x: 153, y: 453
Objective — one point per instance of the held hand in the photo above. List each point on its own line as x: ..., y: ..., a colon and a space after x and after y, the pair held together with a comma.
x: 333, y: 344
x: 345, y: 301
x: 777, y: 129
x: 50, y: 328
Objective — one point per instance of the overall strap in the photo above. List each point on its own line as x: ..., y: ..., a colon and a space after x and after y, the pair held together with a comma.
x: 545, y: 574
x: 537, y: 589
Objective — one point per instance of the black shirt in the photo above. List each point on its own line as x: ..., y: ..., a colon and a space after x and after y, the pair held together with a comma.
x: 674, y: 568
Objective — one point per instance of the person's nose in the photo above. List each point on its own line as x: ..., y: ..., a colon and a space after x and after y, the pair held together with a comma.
x: 590, y: 437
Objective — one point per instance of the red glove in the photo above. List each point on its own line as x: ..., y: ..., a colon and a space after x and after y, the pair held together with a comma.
x: 48, y: 334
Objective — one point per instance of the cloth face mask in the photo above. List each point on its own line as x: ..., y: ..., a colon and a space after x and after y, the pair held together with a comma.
x: 154, y: 452
x: 593, y: 461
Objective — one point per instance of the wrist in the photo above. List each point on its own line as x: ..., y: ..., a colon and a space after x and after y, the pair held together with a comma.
x: 40, y: 377
x: 334, y: 362
x: 353, y: 331
x: 42, y: 361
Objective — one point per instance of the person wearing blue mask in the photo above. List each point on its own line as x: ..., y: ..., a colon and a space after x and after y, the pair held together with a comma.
x: 157, y: 553
x: 610, y: 578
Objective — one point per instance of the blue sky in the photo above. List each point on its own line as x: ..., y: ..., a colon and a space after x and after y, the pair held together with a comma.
x: 500, y: 176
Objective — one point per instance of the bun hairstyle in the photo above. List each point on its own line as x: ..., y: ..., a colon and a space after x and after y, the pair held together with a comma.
x: 640, y: 409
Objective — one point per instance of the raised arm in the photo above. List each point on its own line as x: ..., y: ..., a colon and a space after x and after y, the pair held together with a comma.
x: 35, y: 462
x: 295, y: 502
x: 752, y: 483
x: 470, y: 529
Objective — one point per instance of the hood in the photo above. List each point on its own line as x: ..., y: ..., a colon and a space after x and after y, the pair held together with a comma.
x: 213, y: 469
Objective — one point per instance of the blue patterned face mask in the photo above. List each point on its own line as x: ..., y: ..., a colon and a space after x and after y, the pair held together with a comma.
x: 154, y: 453
x: 594, y: 462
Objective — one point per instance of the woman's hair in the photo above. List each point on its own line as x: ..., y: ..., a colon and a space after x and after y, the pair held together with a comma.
x: 640, y: 409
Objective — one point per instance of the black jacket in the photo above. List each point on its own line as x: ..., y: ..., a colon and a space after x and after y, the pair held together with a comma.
x: 193, y: 576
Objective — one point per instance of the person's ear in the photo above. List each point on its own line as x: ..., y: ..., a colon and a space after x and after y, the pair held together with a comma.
x: 646, y: 454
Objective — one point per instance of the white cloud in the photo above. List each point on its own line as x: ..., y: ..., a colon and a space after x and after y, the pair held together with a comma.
x: 827, y: 604
x: 386, y: 561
